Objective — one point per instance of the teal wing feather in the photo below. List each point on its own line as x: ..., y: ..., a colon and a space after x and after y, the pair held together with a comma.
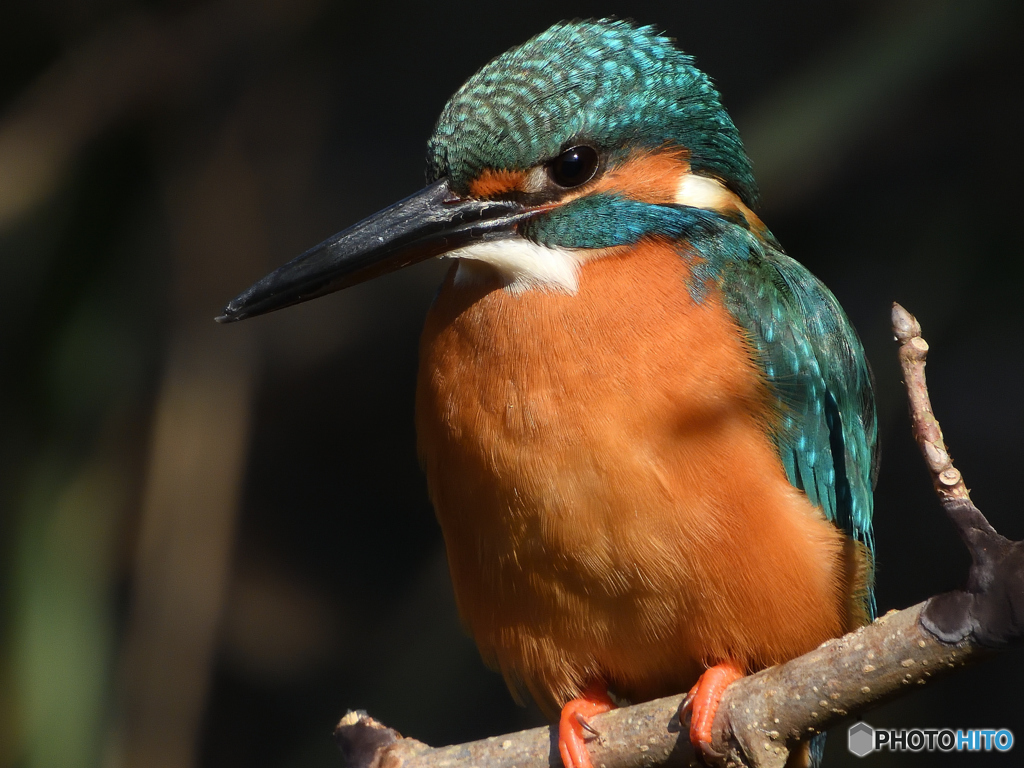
x: 814, y: 363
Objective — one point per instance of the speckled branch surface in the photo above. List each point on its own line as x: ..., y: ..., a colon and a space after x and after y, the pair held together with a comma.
x: 764, y: 715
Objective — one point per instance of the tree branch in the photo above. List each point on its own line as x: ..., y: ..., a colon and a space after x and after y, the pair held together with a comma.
x: 763, y: 716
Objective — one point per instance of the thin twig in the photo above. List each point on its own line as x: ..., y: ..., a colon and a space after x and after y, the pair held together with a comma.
x: 948, y: 481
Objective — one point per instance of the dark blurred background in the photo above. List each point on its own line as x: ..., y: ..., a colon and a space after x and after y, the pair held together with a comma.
x: 215, y: 540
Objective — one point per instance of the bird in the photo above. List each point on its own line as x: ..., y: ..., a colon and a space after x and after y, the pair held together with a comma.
x: 648, y: 434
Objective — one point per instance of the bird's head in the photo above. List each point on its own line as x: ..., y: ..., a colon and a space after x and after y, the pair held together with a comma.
x: 554, y: 151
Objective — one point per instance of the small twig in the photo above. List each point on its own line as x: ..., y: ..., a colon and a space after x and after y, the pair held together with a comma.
x: 948, y: 481
x: 764, y: 716
x: 990, y: 608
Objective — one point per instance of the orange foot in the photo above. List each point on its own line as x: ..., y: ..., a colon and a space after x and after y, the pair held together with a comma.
x: 702, y: 702
x: 574, y: 721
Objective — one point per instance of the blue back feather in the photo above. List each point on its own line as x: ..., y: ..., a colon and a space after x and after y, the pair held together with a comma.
x: 815, y: 365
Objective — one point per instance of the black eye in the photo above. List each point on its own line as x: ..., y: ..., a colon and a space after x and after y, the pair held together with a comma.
x: 575, y: 166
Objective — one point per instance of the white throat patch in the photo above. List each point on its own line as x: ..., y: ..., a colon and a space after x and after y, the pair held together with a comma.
x: 523, y: 265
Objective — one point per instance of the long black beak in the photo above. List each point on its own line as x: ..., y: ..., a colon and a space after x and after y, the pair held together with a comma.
x: 429, y: 223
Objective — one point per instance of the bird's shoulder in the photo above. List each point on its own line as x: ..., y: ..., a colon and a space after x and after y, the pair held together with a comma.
x: 813, y: 363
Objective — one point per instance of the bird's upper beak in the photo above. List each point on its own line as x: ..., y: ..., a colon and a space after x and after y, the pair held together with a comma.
x: 429, y: 223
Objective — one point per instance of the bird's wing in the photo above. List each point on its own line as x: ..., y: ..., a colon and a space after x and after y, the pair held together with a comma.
x: 816, y: 367
x: 813, y: 361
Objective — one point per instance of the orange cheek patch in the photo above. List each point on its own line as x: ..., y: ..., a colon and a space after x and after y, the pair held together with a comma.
x: 753, y: 220
x: 650, y: 177
x: 491, y: 183
x: 734, y: 207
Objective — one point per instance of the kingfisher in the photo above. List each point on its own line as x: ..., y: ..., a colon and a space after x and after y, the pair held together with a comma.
x: 648, y: 434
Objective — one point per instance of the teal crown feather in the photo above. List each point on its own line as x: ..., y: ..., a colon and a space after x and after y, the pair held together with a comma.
x: 605, y: 83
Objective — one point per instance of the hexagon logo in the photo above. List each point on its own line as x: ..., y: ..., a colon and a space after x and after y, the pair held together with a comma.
x: 860, y: 739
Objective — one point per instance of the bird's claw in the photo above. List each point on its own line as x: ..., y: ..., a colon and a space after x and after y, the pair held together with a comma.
x: 585, y: 724
x: 686, y: 710
x: 575, y: 721
x: 698, y: 709
x: 709, y: 754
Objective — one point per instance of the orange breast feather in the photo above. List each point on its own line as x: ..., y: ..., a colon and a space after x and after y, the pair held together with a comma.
x: 611, y: 504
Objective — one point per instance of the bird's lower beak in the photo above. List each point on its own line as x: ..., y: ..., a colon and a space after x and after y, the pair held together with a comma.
x: 428, y: 223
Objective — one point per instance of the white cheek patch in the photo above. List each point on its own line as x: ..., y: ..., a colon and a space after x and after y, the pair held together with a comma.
x: 702, y: 192
x: 522, y: 265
